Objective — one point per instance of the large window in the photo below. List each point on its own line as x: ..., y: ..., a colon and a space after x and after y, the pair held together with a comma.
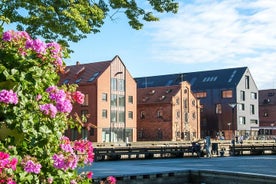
x: 85, y: 102
x: 242, y: 95
x: 247, y: 82
x: 130, y: 114
x: 241, y: 106
x: 121, y: 85
x: 113, y: 100
x: 121, y: 100
x: 104, y: 113
x: 104, y: 96
x: 130, y: 99
x: 121, y: 116
x: 253, y: 95
x: 242, y: 120
x: 218, y: 109
x: 113, y: 84
x: 252, y: 109
x: 84, y: 133
x: 113, y: 116
x: 227, y: 94
x: 84, y: 115
x: 200, y: 94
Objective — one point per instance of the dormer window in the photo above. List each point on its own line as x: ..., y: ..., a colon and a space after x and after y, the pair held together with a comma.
x: 78, y: 80
x: 152, y: 92
x: 162, y: 97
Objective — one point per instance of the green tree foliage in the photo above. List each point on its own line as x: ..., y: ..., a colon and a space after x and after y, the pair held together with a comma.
x: 72, y: 20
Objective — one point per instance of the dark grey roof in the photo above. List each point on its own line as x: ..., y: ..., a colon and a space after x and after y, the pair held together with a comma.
x: 212, y: 79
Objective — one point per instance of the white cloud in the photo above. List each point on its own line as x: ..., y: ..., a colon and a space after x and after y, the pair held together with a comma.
x: 226, y: 32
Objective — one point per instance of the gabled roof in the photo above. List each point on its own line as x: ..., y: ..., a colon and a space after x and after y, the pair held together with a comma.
x: 202, y: 80
x: 83, y: 73
x: 156, y: 95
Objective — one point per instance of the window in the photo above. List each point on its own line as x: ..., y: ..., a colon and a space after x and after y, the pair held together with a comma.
x: 185, y: 101
x: 177, y: 101
x: 194, y: 115
x: 113, y: 100
x: 265, y: 114
x: 92, y: 131
x: 186, y: 117
x: 130, y: 114
x: 84, y: 115
x: 85, y: 102
x: 218, y: 109
x: 200, y: 94
x: 113, y: 84
x: 159, y: 114
x: 253, y: 95
x: 93, y: 76
x: 121, y: 116
x: 66, y: 81
x: 130, y: 99
x: 178, y: 114
x: 74, y: 134
x: 84, y: 133
x: 242, y: 95
x: 193, y: 102
x: 227, y: 94
x: 242, y: 120
x: 78, y: 80
x: 142, y: 115
x: 254, y: 121
x: 121, y: 100
x: 121, y: 85
x: 104, y: 113
x: 113, y: 116
x: 241, y: 106
x: 104, y: 96
x: 252, y: 109
x: 247, y: 82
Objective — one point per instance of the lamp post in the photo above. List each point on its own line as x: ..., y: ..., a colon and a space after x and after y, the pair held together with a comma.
x: 233, y: 105
x: 229, y: 124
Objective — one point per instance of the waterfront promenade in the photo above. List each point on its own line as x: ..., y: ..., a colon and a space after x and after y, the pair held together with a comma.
x: 256, y: 165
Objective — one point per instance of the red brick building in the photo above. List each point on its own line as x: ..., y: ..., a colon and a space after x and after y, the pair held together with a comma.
x: 167, y: 113
x: 110, y: 100
x: 267, y: 113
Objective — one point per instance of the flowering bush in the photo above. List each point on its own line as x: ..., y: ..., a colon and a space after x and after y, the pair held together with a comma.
x: 34, y: 113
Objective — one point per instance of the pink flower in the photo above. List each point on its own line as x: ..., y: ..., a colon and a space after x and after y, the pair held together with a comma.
x: 50, y: 180
x: 78, y: 97
x: 8, y: 97
x: 13, y: 163
x: 89, y: 175
x: 37, y: 45
x: 64, y: 106
x: 48, y: 109
x: 32, y: 167
x: 111, y: 179
x: 7, y: 36
x: 38, y: 97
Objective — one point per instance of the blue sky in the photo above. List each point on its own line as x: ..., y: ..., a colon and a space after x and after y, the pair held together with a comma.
x: 203, y: 35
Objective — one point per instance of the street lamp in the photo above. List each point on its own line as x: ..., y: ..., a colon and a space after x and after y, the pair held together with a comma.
x: 229, y: 124
x: 233, y: 105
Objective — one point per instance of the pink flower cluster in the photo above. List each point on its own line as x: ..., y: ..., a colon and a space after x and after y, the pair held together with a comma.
x: 38, y: 46
x: 111, y: 180
x: 31, y: 165
x: 61, y: 101
x: 5, y: 164
x: 8, y: 97
x: 73, y: 153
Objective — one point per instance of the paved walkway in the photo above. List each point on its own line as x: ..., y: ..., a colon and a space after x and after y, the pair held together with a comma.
x: 263, y: 165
